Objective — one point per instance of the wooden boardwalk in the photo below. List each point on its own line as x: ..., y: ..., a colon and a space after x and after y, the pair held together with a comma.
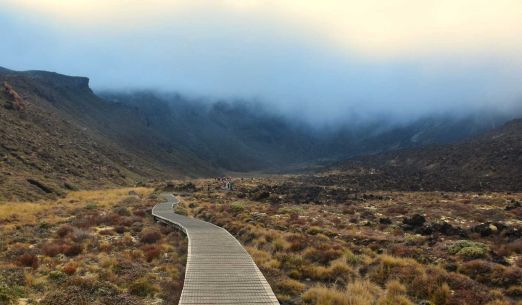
x: 219, y: 270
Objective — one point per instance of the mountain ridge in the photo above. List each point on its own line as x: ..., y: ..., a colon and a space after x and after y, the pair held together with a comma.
x: 488, y: 162
x: 133, y: 137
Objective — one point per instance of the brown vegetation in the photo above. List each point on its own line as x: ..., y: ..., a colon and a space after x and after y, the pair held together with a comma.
x: 329, y: 245
x: 69, y: 252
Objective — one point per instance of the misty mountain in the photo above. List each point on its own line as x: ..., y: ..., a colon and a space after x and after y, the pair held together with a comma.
x: 487, y: 162
x: 62, y: 134
x: 244, y: 136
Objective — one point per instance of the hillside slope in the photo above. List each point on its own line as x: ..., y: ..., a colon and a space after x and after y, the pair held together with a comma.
x: 58, y: 135
x: 241, y: 136
x: 492, y: 161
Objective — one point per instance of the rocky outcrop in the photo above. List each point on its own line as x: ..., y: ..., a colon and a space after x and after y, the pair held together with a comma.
x: 15, y: 101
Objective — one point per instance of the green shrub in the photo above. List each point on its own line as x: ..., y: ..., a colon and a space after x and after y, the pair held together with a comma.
x: 352, y: 259
x: 9, y: 295
x: 472, y: 252
x: 91, y: 206
x: 142, y: 288
x: 237, y: 207
x: 181, y: 210
x: 56, y: 276
x: 468, y: 249
x: 314, y: 230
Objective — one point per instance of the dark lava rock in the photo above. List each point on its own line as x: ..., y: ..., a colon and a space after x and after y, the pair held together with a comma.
x: 451, y: 267
x: 385, y: 221
x: 186, y: 187
x: 261, y: 195
x: 415, y: 221
x: 445, y: 228
x: 513, y: 205
x: 488, y: 228
x: 512, y: 233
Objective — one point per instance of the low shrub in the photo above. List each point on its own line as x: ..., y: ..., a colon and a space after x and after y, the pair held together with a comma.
x: 67, y: 296
x: 119, y: 229
x: 514, y: 291
x: 441, y: 295
x: 338, y: 272
x: 314, y: 230
x: 73, y: 250
x: 56, y: 276
x: 52, y: 249
x: 122, y: 211
x: 28, y: 260
x: 91, y: 206
x: 70, y: 268
x: 395, y: 294
x: 322, y: 255
x: 64, y: 230
x: 237, y: 207
x: 80, y: 235
x: 290, y: 287
x: 142, y: 288
x: 9, y: 295
x: 468, y: 249
x: 150, y: 236
x: 151, y: 252
x: 356, y: 293
x: 106, y: 232
x: 181, y: 210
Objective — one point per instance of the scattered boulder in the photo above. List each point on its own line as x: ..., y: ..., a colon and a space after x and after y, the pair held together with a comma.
x: 445, y: 228
x: 512, y: 233
x: 260, y: 195
x: 385, y: 221
x: 513, y: 204
x: 413, y: 222
x: 488, y: 228
x: 186, y: 187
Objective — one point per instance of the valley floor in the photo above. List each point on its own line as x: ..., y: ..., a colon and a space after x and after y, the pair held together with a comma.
x: 315, y: 244
x: 320, y: 245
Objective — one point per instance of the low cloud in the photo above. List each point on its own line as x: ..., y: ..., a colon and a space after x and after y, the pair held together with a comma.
x: 290, y: 56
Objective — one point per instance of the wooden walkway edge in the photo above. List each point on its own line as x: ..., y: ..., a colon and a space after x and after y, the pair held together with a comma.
x: 219, y: 270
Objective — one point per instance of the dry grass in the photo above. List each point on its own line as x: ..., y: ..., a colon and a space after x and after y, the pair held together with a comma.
x: 92, y: 246
x: 29, y: 212
x: 355, y: 293
x: 358, y: 251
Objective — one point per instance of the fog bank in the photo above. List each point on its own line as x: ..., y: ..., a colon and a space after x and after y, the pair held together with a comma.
x: 402, y: 61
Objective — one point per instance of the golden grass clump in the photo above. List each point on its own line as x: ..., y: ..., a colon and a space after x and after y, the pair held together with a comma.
x: 395, y: 294
x: 359, y: 292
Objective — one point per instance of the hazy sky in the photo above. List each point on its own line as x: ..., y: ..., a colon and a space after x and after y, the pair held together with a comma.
x: 321, y: 59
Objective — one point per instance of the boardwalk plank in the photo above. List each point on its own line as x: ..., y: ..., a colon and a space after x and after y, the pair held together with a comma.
x: 219, y: 270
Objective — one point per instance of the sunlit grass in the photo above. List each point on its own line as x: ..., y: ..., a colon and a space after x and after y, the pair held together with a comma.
x: 29, y: 212
x: 104, y: 198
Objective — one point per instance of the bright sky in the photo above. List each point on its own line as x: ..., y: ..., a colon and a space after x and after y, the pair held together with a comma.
x: 405, y: 56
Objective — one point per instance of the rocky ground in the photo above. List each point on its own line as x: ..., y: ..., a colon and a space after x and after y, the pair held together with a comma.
x: 316, y: 244
x: 489, y: 162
